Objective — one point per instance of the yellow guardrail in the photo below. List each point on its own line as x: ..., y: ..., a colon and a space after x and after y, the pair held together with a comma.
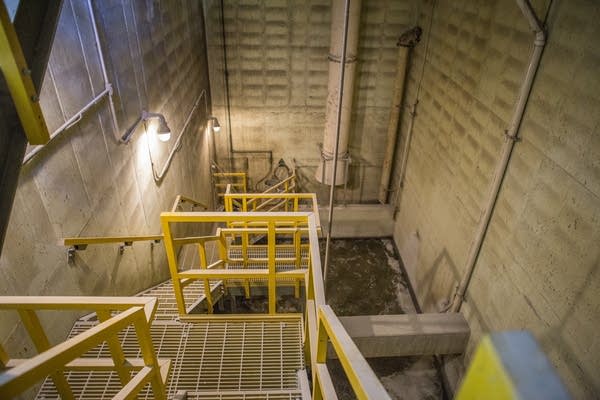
x: 288, y: 185
x: 270, y: 202
x: 19, y: 374
x: 238, y: 181
x: 321, y: 324
x: 180, y: 200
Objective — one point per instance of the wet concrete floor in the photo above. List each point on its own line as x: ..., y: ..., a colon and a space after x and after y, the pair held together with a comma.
x: 365, y: 277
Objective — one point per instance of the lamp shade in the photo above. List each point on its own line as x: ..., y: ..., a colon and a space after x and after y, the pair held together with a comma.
x: 215, y: 124
x: 163, y: 131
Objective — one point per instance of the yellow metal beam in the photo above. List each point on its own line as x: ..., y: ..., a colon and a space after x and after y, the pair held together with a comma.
x: 18, y: 79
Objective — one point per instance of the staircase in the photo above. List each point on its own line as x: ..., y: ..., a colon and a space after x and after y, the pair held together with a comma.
x: 183, y: 348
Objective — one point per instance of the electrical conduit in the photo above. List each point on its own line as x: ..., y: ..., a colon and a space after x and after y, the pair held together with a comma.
x: 511, y: 137
x: 407, y: 41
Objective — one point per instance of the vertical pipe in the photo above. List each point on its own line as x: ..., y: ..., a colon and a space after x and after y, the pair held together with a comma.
x: 409, y: 132
x: 104, y: 72
x: 511, y: 137
x: 337, y: 135
x: 340, y: 33
x: 393, y: 125
x: 407, y: 40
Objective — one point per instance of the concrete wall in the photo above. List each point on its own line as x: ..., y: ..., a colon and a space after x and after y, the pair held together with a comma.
x: 85, y: 183
x: 539, y: 266
x: 278, y: 70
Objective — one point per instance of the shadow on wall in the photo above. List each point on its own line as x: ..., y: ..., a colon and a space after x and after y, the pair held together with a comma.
x: 552, y: 338
x: 438, y: 282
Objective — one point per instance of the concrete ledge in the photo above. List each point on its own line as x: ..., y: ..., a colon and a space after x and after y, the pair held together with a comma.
x: 359, y: 221
x: 408, y: 334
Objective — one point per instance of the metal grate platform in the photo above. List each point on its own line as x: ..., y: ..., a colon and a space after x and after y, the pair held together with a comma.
x: 256, y: 358
x: 167, y: 306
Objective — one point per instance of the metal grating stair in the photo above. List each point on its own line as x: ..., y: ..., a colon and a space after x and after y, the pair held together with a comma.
x: 254, y: 358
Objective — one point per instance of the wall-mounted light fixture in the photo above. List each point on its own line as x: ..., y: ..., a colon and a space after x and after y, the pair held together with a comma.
x: 216, y: 127
x: 163, y: 132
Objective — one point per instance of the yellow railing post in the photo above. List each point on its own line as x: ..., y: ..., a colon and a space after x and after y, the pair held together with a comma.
x: 271, y: 238
x: 115, y: 349
x: 41, y: 343
x: 204, y: 265
x: 172, y: 260
x: 245, y: 244
x: 298, y: 253
x: 142, y: 329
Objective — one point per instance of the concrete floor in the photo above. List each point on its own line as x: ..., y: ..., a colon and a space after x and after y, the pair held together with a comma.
x: 365, y: 278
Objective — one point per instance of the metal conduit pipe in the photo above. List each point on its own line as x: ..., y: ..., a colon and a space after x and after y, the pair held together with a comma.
x: 511, y: 137
x: 337, y: 104
x: 338, y: 130
x: 108, y: 90
x: 406, y: 42
x: 177, y: 146
x: 107, y: 84
x: 68, y: 123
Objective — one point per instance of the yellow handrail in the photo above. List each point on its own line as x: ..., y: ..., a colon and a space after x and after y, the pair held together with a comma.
x: 20, y: 374
x: 237, y: 180
x: 321, y: 324
x: 81, y: 242
x: 289, y: 202
x: 288, y: 185
x: 180, y: 199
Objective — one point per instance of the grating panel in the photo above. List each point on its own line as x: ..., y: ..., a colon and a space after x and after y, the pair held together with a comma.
x: 167, y: 306
x: 237, y: 359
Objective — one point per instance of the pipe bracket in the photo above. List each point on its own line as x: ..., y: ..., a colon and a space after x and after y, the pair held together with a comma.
x: 512, y: 137
x: 338, y: 59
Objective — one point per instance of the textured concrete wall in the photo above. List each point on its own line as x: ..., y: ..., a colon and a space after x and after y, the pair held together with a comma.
x: 84, y: 183
x: 278, y: 70
x: 539, y: 266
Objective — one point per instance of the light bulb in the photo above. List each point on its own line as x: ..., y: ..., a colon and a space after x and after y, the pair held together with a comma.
x: 164, y: 136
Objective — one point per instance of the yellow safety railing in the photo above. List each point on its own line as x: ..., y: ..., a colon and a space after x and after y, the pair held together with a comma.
x: 259, y: 262
x: 269, y: 202
x: 237, y: 181
x: 180, y: 200
x: 19, y: 374
x: 321, y: 323
x: 288, y: 185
